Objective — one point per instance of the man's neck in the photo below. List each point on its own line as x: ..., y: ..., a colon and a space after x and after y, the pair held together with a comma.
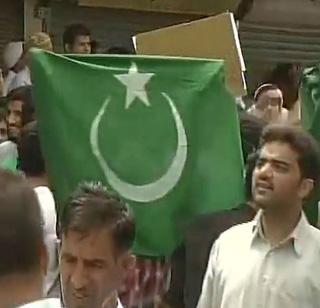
x: 17, y: 290
x: 278, y: 225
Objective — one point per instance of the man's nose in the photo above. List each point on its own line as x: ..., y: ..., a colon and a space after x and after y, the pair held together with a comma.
x: 11, y: 119
x: 265, y: 171
x: 78, y: 277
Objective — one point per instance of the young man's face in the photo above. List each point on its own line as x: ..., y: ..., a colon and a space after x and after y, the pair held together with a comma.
x: 3, y: 131
x: 277, y: 181
x: 91, y: 269
x: 14, y: 118
x: 81, y: 45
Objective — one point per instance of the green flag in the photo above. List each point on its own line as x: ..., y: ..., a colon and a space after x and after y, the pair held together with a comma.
x: 162, y: 132
x: 8, y: 156
x: 310, y: 112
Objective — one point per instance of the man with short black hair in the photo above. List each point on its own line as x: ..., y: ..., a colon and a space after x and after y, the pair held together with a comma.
x: 273, y: 260
x: 20, y: 111
x: 23, y: 257
x: 77, y: 39
x: 97, y: 232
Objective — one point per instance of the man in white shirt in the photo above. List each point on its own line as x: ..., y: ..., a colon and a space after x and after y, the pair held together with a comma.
x: 23, y: 76
x: 12, y: 55
x: 23, y: 257
x: 273, y: 261
x: 97, y: 232
x: 32, y: 164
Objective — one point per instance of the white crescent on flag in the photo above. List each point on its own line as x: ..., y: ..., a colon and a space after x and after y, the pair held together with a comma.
x: 157, y: 189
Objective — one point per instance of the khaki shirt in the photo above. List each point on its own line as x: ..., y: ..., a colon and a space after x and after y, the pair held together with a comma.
x: 244, y: 271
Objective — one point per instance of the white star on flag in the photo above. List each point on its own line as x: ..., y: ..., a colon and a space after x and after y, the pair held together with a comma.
x: 135, y: 83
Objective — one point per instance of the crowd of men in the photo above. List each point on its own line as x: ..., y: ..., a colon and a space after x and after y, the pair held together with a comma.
x: 263, y: 253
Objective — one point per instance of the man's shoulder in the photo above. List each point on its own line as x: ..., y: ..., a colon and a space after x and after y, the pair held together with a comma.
x: 238, y: 232
x: 314, y: 236
x: 233, y: 243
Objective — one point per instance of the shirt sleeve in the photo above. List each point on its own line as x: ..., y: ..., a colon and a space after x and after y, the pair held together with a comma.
x: 209, y: 297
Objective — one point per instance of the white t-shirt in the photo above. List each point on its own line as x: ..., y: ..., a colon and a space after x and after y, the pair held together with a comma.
x: 48, y: 210
x: 44, y: 303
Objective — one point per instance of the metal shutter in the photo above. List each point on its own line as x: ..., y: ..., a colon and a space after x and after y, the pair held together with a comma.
x: 280, y: 44
x: 11, y: 22
x: 109, y: 27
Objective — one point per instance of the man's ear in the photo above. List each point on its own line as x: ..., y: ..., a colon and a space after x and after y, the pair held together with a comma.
x: 305, y: 189
x: 128, y: 261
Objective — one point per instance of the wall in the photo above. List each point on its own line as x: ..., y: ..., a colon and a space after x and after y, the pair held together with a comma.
x: 11, y: 22
x: 109, y: 27
x: 31, y: 23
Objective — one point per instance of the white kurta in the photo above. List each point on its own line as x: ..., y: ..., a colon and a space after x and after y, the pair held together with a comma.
x: 244, y: 271
x: 49, y: 215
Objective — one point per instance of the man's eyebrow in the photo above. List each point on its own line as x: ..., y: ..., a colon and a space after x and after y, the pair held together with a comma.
x: 275, y: 160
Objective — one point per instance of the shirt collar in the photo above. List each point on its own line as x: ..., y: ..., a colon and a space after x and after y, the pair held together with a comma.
x: 298, y: 235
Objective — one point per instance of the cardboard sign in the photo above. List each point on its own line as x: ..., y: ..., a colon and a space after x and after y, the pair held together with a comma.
x: 214, y: 37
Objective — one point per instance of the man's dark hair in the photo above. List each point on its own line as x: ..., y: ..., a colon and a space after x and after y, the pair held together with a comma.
x: 288, y: 77
x: 301, y: 142
x: 250, y: 129
x: 31, y: 160
x: 23, y: 94
x: 72, y: 31
x: 250, y: 166
x: 263, y: 88
x: 244, y: 7
x: 21, y: 233
x: 92, y: 207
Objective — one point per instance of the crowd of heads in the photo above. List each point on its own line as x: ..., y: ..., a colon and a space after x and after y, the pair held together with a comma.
x: 16, y: 106
x: 97, y: 228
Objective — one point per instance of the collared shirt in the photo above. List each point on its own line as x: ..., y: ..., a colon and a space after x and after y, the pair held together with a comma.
x: 244, y: 271
x: 48, y: 211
